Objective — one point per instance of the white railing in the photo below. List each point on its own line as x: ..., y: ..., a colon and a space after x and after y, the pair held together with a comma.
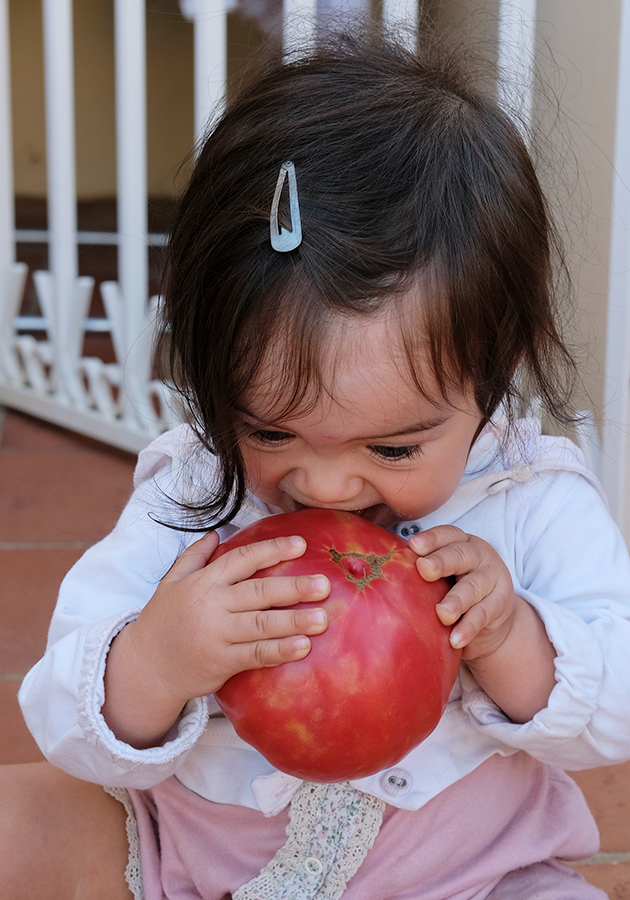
x: 116, y: 402
x: 616, y: 432
x: 119, y: 402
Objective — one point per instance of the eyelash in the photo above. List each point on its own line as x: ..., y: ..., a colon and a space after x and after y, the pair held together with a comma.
x: 391, y: 453
x: 270, y: 437
x: 394, y: 453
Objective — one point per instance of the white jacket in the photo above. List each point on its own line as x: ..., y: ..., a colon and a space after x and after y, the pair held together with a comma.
x: 531, y: 498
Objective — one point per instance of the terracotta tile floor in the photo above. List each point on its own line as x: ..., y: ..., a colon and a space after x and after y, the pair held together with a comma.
x: 59, y: 493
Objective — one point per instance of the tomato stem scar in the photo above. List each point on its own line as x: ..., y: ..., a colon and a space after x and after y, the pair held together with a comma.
x: 366, y: 568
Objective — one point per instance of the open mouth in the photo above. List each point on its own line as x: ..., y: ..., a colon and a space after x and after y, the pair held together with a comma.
x: 379, y: 514
x: 370, y: 512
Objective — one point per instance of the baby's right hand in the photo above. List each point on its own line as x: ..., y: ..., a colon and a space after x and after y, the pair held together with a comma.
x: 206, y: 622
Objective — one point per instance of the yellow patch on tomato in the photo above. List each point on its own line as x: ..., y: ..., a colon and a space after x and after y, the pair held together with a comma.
x: 299, y: 730
x: 350, y: 674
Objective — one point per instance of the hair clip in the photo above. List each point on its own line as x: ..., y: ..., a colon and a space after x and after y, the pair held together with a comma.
x: 283, y: 240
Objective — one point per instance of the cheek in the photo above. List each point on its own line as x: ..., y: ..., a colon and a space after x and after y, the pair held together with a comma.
x: 253, y: 466
x: 447, y: 481
x: 261, y: 469
x: 437, y: 482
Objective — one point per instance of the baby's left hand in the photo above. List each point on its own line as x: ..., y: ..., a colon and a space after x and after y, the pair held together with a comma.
x: 482, y: 601
x: 503, y: 640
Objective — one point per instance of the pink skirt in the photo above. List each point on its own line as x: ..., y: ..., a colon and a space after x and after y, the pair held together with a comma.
x: 496, y: 834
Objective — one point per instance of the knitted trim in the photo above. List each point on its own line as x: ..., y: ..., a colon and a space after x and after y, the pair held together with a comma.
x: 133, y: 871
x: 331, y: 828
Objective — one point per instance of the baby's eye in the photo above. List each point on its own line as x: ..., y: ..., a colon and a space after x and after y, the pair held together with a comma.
x: 396, y: 452
x: 263, y: 436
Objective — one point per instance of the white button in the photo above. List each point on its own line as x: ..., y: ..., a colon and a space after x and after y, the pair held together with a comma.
x: 396, y: 782
x: 409, y: 530
x: 313, y: 866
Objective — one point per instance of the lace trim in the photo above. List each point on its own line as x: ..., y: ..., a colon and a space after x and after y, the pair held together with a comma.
x: 331, y: 828
x: 133, y: 871
x: 90, y: 687
x: 191, y: 726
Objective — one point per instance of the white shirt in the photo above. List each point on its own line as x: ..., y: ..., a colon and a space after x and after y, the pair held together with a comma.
x: 530, y: 497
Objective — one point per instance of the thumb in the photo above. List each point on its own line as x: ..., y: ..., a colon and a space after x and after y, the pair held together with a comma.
x: 194, y: 557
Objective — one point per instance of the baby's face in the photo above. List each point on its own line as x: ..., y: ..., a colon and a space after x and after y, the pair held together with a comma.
x: 372, y: 444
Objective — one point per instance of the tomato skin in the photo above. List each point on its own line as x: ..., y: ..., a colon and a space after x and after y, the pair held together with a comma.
x: 375, y: 683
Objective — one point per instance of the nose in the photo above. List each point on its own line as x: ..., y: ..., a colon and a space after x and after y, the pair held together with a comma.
x: 321, y: 481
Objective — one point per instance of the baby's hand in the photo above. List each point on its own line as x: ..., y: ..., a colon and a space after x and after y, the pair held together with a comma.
x: 482, y: 602
x: 503, y: 640
x: 212, y: 619
x: 207, y: 621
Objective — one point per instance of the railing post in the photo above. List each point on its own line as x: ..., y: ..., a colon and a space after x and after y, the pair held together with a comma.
x: 299, y: 24
x: 126, y: 306
x: 403, y: 15
x: 616, y: 433
x: 60, y: 144
x: 516, y: 51
x: 210, y: 40
x: 56, y: 287
x: 7, y: 216
x: 12, y: 274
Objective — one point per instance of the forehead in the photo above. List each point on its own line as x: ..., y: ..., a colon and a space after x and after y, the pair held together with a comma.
x: 361, y: 363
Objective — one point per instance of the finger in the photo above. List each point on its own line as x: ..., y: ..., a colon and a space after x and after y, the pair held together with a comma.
x: 263, y: 654
x: 241, y: 563
x: 489, y: 616
x: 432, y: 539
x: 453, y: 559
x: 469, y: 591
x: 273, y: 624
x: 194, y: 557
x: 476, y: 620
x: 262, y: 593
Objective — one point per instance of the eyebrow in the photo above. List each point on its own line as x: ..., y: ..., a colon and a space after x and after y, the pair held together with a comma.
x: 426, y: 425
x: 414, y: 428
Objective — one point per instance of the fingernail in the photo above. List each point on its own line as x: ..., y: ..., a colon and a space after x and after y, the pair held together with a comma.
x: 456, y: 639
x: 319, y: 583
x: 448, y: 607
x: 297, y: 541
x: 302, y: 646
x: 318, y: 616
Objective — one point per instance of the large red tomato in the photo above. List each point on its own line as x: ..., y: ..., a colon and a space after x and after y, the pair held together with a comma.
x: 375, y: 683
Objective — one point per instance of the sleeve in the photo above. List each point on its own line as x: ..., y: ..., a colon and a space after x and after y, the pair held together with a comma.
x: 575, y: 572
x: 62, y: 696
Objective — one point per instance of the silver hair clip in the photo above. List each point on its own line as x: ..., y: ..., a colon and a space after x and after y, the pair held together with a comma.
x: 283, y: 240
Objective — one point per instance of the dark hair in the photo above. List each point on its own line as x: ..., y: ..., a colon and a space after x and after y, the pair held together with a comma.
x: 408, y: 174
